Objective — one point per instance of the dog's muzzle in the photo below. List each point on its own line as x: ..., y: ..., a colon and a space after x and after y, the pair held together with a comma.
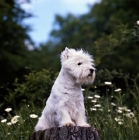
x: 91, y: 72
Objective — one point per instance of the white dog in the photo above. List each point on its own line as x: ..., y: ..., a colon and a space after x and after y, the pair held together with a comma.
x: 65, y: 106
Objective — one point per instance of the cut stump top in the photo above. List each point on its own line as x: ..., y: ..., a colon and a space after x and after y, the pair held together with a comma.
x: 66, y: 133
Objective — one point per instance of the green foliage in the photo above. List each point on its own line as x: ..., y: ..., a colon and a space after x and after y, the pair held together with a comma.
x: 105, y: 31
x: 95, y: 31
x: 101, y: 20
x: 44, y: 58
x: 35, y: 89
x: 119, y: 53
x: 12, y: 45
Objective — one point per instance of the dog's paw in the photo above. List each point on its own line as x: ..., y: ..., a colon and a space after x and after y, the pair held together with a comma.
x: 68, y: 124
x: 84, y: 125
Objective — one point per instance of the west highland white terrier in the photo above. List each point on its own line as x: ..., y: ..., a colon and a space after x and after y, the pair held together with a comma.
x: 65, y: 105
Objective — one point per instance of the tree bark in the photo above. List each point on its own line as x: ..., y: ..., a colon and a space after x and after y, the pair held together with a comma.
x: 66, y: 133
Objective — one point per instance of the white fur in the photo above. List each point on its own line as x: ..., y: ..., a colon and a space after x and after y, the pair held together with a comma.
x: 65, y: 105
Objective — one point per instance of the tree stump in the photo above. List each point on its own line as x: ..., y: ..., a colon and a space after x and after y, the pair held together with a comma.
x: 66, y: 133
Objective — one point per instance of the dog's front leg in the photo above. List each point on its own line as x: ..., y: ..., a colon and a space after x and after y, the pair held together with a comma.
x: 81, y: 118
x: 63, y: 118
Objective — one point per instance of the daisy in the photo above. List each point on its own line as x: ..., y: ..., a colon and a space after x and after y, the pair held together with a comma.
x: 120, y: 123
x: 9, y: 123
x: 119, y: 111
x: 113, y: 104
x: 138, y: 22
x: 8, y: 109
x: 14, y: 119
x: 107, y: 83
x: 4, y: 120
x: 97, y: 105
x: 90, y: 97
x: 117, y: 90
x: 93, y: 109
x: 93, y: 101
x: 96, y: 96
x: 33, y: 116
x: 130, y: 115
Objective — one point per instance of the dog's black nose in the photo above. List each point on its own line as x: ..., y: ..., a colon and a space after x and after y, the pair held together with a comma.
x: 91, y: 70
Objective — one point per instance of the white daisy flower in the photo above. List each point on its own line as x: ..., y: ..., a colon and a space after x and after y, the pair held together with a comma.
x: 125, y: 109
x: 128, y: 110
x: 120, y: 108
x: 97, y: 96
x: 9, y: 123
x: 120, y: 123
x: 138, y: 22
x: 113, y: 104
x: 117, y: 90
x: 14, y: 119
x: 117, y: 119
x: 107, y: 83
x: 8, y: 109
x: 93, y: 109
x: 97, y: 105
x: 109, y: 110
x: 83, y: 89
x: 90, y: 97
x: 119, y: 111
x: 4, y: 120
x: 93, y: 101
x: 33, y: 116
x: 130, y: 115
x: 16, y: 116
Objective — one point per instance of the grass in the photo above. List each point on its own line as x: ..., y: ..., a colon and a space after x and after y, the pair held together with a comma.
x: 20, y: 125
x: 109, y: 114
x: 112, y: 116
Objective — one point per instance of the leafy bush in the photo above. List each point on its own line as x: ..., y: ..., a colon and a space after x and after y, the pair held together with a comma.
x: 35, y: 89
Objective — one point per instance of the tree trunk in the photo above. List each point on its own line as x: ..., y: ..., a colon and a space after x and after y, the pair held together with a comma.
x: 66, y: 133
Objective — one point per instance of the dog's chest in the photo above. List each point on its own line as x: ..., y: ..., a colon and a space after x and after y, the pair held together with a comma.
x: 74, y: 102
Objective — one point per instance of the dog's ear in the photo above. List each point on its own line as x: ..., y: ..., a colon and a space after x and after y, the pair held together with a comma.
x: 65, y: 54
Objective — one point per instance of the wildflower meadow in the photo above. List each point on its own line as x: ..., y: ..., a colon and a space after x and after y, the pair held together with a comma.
x: 110, y: 113
x: 113, y: 119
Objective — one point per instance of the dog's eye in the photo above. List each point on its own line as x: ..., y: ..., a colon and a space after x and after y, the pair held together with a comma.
x: 79, y: 63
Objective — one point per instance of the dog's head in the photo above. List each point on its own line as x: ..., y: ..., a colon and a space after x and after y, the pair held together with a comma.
x: 79, y: 64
